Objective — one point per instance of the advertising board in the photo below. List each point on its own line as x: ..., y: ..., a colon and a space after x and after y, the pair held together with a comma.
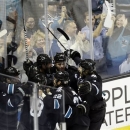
x: 117, y: 96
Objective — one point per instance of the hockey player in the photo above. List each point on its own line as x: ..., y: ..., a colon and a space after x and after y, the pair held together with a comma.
x: 90, y: 89
x: 75, y: 110
x: 10, y: 98
x: 60, y: 64
x: 26, y: 121
x: 42, y: 66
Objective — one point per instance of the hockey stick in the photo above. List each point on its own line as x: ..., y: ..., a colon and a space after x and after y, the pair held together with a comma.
x: 67, y: 38
x: 63, y: 33
x: 0, y: 24
x: 25, y: 32
x: 13, y: 46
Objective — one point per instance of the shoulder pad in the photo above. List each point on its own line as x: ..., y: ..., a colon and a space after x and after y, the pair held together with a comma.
x: 98, y: 76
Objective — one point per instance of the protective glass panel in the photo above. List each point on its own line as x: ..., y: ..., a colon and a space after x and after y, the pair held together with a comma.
x: 31, y: 27
x: 107, y: 30
x: 102, y: 36
x: 116, y: 44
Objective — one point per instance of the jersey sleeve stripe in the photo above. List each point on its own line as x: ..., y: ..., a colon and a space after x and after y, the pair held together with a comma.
x: 9, y: 103
x: 10, y: 89
x: 56, y: 104
x: 96, y: 88
x: 68, y: 113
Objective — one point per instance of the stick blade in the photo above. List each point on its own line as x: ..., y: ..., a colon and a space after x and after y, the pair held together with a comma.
x: 63, y: 33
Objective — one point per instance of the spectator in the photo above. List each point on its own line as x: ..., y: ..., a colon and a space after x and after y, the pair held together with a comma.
x: 14, y: 5
x: 125, y: 66
x: 119, y: 44
x: 77, y: 42
x: 55, y: 18
x: 20, y: 53
x: 38, y: 42
x: 69, y: 5
x: 30, y: 26
x: 98, y: 34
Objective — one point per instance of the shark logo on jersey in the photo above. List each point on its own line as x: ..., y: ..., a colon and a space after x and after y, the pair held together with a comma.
x: 75, y: 100
x: 59, y: 89
x: 58, y: 96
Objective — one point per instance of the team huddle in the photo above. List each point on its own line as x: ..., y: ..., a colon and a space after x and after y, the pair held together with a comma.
x: 65, y: 94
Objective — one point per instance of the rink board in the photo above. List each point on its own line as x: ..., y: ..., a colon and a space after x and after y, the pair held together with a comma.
x: 117, y: 95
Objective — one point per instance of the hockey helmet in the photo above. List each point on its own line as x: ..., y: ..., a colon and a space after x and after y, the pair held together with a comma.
x: 40, y: 78
x: 59, y: 57
x: 43, y: 59
x: 12, y: 71
x: 87, y: 64
x: 62, y: 76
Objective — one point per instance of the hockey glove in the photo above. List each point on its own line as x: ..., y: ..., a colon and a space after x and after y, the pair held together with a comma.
x: 27, y: 64
x: 84, y: 87
x: 81, y: 108
x: 12, y: 47
x: 72, y: 54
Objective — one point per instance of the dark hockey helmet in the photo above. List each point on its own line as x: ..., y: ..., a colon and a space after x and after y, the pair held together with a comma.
x: 40, y: 78
x: 43, y: 59
x: 12, y: 71
x: 59, y: 57
x: 87, y: 64
x: 62, y: 76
